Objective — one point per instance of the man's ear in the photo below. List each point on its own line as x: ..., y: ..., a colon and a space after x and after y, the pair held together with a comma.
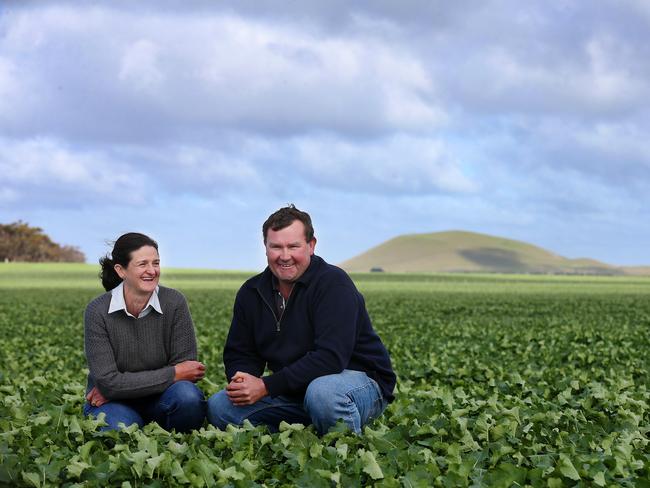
x: 312, y: 245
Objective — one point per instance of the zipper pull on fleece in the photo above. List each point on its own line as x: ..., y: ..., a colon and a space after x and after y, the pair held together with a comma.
x: 277, y: 326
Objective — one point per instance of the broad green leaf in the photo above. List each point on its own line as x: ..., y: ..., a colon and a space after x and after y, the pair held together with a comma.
x: 565, y: 466
x: 599, y: 479
x: 370, y: 465
x: 76, y: 467
x: 32, y: 479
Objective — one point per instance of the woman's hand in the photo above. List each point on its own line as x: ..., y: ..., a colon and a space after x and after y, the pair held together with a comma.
x: 95, y: 397
x: 190, y: 371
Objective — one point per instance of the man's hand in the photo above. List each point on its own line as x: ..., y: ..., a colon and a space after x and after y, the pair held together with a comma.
x: 190, y: 371
x: 245, y: 389
x: 95, y: 397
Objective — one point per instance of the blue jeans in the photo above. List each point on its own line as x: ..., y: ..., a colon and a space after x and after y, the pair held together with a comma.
x: 180, y: 407
x: 350, y: 395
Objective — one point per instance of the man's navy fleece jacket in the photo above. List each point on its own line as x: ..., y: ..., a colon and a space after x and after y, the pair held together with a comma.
x: 325, y: 329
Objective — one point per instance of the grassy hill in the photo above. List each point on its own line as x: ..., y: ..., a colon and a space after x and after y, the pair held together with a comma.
x: 459, y: 251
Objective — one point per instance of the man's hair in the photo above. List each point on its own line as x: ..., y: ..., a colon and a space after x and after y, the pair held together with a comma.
x: 285, y: 217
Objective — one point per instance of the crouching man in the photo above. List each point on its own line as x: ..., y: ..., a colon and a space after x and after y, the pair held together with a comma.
x: 304, y: 321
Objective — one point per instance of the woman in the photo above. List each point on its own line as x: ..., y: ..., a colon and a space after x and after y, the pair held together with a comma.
x: 140, y: 344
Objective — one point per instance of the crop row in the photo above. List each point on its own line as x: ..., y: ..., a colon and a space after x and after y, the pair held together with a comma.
x: 493, y: 390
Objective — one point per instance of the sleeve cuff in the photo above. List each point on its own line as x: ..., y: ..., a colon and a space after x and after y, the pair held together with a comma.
x: 276, y: 384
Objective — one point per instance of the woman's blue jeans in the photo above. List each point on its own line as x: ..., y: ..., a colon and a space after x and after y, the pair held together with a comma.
x: 180, y: 407
x: 350, y: 396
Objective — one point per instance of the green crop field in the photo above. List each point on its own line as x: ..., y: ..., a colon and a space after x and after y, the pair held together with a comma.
x: 502, y: 381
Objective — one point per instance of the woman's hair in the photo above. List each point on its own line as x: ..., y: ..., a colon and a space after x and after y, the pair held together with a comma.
x: 121, y: 254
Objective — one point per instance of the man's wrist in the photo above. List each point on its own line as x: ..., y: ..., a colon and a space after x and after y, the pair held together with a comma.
x: 265, y: 390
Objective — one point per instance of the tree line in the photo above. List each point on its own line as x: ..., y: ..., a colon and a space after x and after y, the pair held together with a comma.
x: 21, y: 242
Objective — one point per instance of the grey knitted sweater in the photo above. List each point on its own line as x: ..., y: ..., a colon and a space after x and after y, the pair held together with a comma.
x: 132, y: 358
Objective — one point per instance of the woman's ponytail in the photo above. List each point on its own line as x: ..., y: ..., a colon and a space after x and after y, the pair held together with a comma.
x: 108, y: 275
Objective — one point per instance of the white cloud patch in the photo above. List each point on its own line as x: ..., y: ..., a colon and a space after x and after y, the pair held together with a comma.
x: 8, y: 195
x: 503, y: 115
x: 9, y: 87
x: 139, y: 66
x: 401, y: 165
x: 61, y: 175
x: 206, y: 172
x: 178, y: 72
x: 510, y: 83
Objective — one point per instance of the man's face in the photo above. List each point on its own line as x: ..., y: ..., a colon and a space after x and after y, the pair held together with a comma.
x: 288, y: 252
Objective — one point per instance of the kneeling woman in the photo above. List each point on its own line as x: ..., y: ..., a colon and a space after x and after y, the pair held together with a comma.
x: 140, y: 344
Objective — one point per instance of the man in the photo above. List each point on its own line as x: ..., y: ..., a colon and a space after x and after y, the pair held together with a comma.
x: 305, y: 322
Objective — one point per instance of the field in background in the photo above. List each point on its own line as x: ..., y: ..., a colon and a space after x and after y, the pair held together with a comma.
x: 503, y: 380
x: 78, y: 276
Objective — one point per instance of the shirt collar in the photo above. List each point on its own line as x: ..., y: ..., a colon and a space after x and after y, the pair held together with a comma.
x: 118, y: 303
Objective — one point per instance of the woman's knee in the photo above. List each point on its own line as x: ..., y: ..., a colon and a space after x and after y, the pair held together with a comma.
x: 115, y: 413
x: 185, y: 393
x: 181, y: 407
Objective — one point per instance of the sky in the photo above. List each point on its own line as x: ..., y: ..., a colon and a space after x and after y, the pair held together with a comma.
x: 192, y: 121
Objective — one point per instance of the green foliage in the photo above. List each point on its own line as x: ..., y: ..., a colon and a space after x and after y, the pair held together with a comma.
x: 498, y: 386
x: 21, y: 242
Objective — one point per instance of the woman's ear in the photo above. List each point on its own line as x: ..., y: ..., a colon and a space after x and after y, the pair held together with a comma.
x: 119, y: 269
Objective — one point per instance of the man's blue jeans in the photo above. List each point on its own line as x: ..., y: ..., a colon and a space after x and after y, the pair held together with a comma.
x: 180, y: 407
x: 350, y: 395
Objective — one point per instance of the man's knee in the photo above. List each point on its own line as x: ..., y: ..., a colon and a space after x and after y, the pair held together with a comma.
x: 221, y: 410
x: 349, y: 396
x: 327, y: 402
x: 323, y: 390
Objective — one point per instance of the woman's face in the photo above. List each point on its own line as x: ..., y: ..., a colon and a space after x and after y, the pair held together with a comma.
x: 143, y: 271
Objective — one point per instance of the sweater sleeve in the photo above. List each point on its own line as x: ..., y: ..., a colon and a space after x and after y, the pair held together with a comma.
x: 183, y: 338
x: 335, y: 329
x: 112, y: 383
x: 240, y: 352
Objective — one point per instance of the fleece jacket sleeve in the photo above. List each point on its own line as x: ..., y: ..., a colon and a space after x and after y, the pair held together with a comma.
x: 240, y: 353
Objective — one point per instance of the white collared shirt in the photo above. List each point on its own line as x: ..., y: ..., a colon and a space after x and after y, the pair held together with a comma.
x: 118, y: 303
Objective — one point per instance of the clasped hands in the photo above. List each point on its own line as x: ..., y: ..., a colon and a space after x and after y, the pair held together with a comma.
x: 187, y: 370
x: 245, y: 389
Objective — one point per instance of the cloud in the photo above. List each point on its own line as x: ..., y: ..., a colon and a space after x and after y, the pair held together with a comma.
x: 501, y: 115
x: 62, y: 174
x: 140, y: 66
x: 398, y: 165
x: 194, y: 74
x: 59, y: 175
